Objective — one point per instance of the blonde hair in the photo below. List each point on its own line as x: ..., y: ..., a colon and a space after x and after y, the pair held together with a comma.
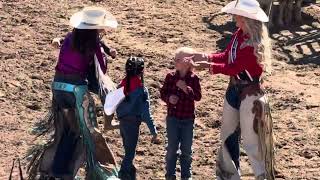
x: 259, y: 39
x: 183, y: 52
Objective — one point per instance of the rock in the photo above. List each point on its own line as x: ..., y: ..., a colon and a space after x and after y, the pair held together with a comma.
x: 279, y: 174
x: 298, y: 139
x: 311, y: 106
x: 196, y: 137
x: 36, y: 76
x: 307, y: 154
x: 10, y: 56
x: 18, y: 143
x: 43, y: 64
x: 7, y: 39
x: 150, y: 167
x: 301, y: 75
x: 24, y: 21
x: 62, y: 16
x: 216, y: 124
x: 14, y: 83
x: 2, y: 94
x: 22, y: 117
x: 140, y: 152
x: 34, y: 107
x: 163, y: 40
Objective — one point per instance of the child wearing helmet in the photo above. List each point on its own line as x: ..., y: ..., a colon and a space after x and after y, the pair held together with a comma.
x: 131, y: 112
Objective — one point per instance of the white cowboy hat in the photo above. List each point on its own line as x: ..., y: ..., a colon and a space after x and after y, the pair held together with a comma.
x: 247, y: 8
x: 93, y: 18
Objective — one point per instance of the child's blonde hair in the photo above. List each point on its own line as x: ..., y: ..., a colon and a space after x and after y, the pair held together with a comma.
x: 183, y: 52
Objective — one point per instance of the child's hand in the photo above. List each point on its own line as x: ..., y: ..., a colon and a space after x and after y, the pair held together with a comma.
x: 173, y: 99
x: 155, y: 139
x: 56, y: 42
x: 113, y: 53
x: 182, y: 85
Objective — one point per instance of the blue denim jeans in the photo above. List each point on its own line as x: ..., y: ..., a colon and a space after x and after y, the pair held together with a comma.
x: 129, y: 130
x: 180, y: 135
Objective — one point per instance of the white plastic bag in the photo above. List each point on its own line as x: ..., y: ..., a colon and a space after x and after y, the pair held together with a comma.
x: 113, y: 99
x: 105, y: 82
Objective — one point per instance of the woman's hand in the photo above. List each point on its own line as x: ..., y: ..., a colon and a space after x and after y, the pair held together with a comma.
x: 200, y: 57
x: 203, y: 65
x: 56, y: 42
x: 155, y: 139
x: 197, y: 57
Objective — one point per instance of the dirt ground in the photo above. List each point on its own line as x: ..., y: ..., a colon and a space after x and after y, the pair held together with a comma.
x: 155, y: 28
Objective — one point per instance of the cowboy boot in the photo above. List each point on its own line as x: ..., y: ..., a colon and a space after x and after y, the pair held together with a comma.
x: 108, y: 123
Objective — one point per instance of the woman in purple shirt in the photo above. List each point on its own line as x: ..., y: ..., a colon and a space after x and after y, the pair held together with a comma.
x: 76, y: 138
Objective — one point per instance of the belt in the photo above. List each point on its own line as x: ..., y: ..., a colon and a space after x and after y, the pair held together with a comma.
x: 235, y: 81
x: 75, y: 79
x: 67, y: 87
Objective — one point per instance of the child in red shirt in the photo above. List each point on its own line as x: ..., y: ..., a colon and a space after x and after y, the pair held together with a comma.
x: 131, y: 112
x: 180, y: 91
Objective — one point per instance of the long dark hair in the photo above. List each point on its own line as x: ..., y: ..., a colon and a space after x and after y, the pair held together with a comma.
x: 85, y: 41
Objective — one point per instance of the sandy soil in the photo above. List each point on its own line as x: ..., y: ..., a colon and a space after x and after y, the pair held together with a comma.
x: 154, y: 28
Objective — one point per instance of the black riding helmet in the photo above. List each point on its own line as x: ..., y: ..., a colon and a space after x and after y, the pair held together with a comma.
x: 134, y: 66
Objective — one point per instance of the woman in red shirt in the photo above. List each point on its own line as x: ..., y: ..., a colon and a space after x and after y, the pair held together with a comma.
x: 246, y: 57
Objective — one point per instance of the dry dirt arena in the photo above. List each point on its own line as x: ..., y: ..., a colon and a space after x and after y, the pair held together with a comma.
x: 155, y: 28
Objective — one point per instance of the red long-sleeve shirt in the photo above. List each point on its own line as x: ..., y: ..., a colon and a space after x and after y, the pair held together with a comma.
x: 185, y: 108
x: 237, y: 58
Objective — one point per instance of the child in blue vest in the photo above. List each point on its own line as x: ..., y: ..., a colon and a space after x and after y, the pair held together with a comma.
x: 131, y: 112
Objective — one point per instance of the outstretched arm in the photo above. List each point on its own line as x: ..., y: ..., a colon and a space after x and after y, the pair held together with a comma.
x: 245, y: 59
